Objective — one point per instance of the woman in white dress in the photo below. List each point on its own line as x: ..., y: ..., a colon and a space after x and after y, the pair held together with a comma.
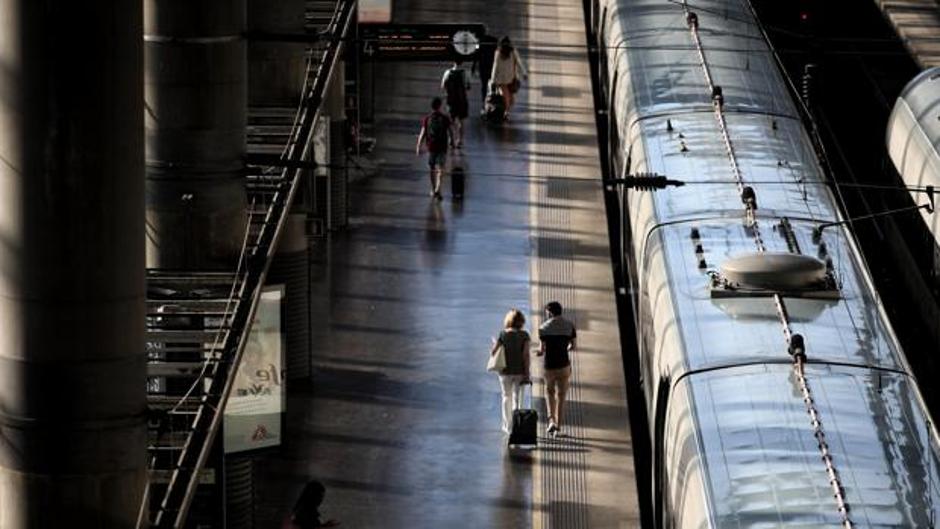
x: 507, y: 67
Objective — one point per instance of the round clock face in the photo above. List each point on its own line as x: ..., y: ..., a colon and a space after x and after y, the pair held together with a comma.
x: 465, y: 42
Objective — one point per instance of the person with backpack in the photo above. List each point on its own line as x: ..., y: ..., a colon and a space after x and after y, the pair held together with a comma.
x: 455, y: 85
x: 436, y: 135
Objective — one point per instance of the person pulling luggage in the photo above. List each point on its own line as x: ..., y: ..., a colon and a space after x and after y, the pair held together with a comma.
x: 514, y: 341
x: 507, y: 70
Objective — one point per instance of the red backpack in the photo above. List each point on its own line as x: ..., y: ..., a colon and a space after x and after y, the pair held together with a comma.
x: 436, y: 131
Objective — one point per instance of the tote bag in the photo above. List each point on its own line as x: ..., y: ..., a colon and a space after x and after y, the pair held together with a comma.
x: 497, y: 362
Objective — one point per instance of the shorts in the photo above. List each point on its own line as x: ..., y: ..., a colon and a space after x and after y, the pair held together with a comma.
x: 437, y: 159
x: 458, y: 109
x: 557, y: 379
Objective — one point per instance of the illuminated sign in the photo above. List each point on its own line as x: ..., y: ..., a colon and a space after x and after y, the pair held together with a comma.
x: 421, y: 42
x: 254, y: 408
x: 375, y: 11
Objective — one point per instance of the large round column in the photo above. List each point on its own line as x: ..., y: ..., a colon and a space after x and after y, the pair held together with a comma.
x: 276, y: 69
x: 72, y: 367
x: 196, y: 97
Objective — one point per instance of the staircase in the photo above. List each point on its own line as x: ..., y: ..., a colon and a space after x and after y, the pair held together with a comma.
x: 198, y: 322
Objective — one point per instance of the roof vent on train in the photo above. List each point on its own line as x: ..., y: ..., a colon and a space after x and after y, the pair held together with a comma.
x: 768, y: 273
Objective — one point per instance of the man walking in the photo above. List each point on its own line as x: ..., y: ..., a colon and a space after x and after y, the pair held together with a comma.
x: 557, y: 336
x: 455, y: 84
x: 483, y: 65
x: 436, y: 135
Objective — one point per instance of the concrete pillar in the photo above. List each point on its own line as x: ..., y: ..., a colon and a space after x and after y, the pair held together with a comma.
x: 72, y: 369
x: 195, y: 91
x: 276, y: 69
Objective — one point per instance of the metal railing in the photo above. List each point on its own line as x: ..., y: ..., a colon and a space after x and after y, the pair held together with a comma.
x: 198, y: 323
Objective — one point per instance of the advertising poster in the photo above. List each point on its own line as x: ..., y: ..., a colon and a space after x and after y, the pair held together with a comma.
x: 254, y: 408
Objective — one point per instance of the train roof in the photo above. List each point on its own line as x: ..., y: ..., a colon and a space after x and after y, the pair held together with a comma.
x: 762, y: 470
x: 725, y: 356
x: 668, y: 99
x: 843, y: 325
x: 913, y: 138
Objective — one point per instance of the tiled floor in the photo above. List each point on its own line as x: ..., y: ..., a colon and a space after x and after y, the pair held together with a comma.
x: 401, y: 421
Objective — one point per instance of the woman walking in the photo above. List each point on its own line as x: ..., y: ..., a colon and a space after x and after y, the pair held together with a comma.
x: 515, y: 343
x: 507, y: 67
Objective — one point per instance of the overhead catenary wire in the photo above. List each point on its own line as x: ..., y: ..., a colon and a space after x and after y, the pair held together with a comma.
x: 795, y: 344
x: 598, y: 179
x: 529, y: 47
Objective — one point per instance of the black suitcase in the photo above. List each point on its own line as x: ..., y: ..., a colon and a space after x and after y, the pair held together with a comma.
x: 494, y: 108
x: 525, y: 423
x: 457, y: 180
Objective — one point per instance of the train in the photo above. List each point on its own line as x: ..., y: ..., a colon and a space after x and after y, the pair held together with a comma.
x: 776, y: 391
x: 912, y: 138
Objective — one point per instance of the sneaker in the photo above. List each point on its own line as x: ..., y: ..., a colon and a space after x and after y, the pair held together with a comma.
x: 438, y: 195
x: 552, y: 429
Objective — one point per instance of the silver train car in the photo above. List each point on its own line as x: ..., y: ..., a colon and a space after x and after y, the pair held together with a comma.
x: 776, y: 391
x: 913, y: 138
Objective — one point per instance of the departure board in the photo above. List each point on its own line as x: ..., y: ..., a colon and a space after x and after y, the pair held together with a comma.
x: 420, y: 42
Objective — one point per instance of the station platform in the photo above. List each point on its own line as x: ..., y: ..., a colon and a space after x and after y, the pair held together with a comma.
x: 917, y: 22
x: 400, y: 420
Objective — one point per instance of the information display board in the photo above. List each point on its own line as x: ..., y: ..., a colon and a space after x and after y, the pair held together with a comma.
x: 420, y: 42
x: 254, y: 408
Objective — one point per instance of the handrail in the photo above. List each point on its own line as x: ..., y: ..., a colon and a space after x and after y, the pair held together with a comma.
x: 221, y: 374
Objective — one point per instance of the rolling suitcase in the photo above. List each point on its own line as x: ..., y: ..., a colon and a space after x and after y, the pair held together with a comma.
x: 457, y: 179
x: 525, y: 422
x: 494, y: 108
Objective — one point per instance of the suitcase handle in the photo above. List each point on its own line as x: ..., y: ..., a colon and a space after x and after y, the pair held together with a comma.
x: 520, y: 396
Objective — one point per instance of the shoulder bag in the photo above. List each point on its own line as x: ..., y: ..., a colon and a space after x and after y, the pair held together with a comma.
x: 497, y: 362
